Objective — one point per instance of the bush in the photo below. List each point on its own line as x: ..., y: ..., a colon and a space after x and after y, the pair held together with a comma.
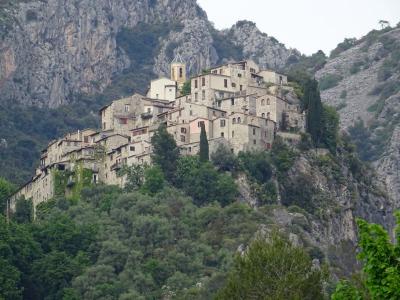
x: 256, y: 165
x: 223, y: 158
x: 343, y: 46
x: 254, y: 275
x: 329, y: 81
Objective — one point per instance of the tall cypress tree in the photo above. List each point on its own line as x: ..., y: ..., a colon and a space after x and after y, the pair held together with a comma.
x: 204, y: 151
x: 165, y: 152
x: 313, y: 104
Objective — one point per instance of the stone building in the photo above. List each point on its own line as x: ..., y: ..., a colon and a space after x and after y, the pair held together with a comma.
x: 240, y: 105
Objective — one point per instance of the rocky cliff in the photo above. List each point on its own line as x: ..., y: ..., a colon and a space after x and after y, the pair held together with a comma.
x: 362, y: 79
x: 320, y: 197
x: 51, y: 50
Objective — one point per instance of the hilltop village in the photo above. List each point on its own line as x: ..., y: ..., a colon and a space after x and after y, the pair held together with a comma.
x: 239, y: 105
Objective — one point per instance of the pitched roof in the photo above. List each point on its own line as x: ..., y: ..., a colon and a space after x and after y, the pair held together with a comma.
x: 178, y: 60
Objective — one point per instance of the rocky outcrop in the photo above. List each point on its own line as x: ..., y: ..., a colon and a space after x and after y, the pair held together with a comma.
x: 368, y: 89
x: 263, y: 49
x: 330, y: 196
x: 57, y: 48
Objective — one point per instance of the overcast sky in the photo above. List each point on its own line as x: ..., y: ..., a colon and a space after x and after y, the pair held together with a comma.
x: 308, y: 25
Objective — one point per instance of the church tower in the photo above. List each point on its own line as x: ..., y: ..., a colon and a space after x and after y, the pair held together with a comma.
x: 178, y: 70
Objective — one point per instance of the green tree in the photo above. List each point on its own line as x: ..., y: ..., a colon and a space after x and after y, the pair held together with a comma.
x: 313, y: 105
x: 381, y: 264
x: 256, y: 164
x: 154, y: 181
x: 9, y: 281
x: 204, y: 184
x: 273, y: 269
x: 204, y: 151
x: 165, y: 152
x: 134, y: 176
x: 223, y: 158
x: 23, y: 211
x: 186, y: 88
x: 6, y: 190
x: 330, y: 128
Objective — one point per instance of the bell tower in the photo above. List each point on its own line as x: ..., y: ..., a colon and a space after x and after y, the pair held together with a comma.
x: 178, y: 70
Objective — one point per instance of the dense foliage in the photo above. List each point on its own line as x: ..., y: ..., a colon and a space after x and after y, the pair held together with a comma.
x: 165, y: 152
x: 119, y: 245
x: 381, y: 267
x: 273, y: 269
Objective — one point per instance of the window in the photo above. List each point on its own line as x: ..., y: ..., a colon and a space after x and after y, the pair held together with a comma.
x: 233, y: 133
x: 199, y: 123
x: 183, y: 130
x: 222, y: 123
x: 196, y: 97
x: 254, y: 131
x: 123, y: 121
x: 191, y: 113
x: 233, y: 84
x: 232, y: 101
x: 127, y: 107
x: 203, y: 95
x: 268, y: 115
x: 239, y: 121
x: 214, y: 113
x: 195, y: 83
x: 190, y: 149
x: 254, y: 142
x: 180, y: 72
x: 268, y: 101
x: 234, y: 121
x: 263, y: 115
x: 241, y: 87
x: 183, y: 138
x: 219, y: 103
x: 262, y: 102
x: 157, y: 96
x: 226, y: 83
x: 132, y: 148
x: 203, y: 81
x: 239, y: 75
x: 104, y: 125
x: 86, y: 139
x: 149, y: 110
x: 222, y: 134
x: 252, y: 70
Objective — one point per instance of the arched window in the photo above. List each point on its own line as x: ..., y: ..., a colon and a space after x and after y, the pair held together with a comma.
x: 239, y: 120
x: 268, y: 115
x: 263, y: 115
x: 262, y: 102
x: 268, y: 102
x: 234, y: 121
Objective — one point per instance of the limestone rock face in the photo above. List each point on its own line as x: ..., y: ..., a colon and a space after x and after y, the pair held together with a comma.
x: 263, y: 49
x: 57, y: 48
x: 364, y: 93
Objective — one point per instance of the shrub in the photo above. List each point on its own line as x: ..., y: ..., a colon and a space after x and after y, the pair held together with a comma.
x: 256, y: 165
x: 329, y: 81
x: 223, y: 158
x: 343, y: 46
